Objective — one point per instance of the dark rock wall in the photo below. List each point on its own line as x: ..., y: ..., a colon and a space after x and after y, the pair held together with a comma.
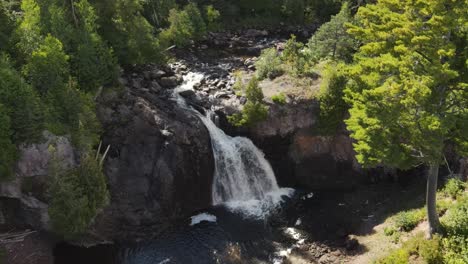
x: 160, y: 166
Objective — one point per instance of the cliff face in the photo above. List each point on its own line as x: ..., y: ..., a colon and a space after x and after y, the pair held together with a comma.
x: 159, y: 168
x: 301, y: 156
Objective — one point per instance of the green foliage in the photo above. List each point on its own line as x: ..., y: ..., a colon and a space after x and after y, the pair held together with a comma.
x: 408, y: 220
x: 456, y: 249
x: 129, y: 33
x: 254, y: 110
x: 331, y: 41
x: 332, y: 106
x: 454, y: 187
x: 408, y: 66
x: 157, y: 11
x: 8, y: 153
x: 279, y: 98
x: 390, y: 230
x: 268, y: 64
x: 455, y: 223
x: 48, y: 67
x: 293, y: 11
x: 238, y: 84
x: 7, y: 27
x: 399, y: 256
x: 429, y: 250
x: 21, y: 104
x: 456, y: 219
x: 93, y: 63
x: 295, y: 56
x: 77, y: 196
x: 185, y: 25
x: 212, y: 17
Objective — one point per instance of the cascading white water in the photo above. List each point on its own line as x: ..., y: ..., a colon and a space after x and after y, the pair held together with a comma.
x: 243, y: 178
x: 241, y: 171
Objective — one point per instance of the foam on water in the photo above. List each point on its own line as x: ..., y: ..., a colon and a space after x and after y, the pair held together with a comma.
x: 243, y: 179
x: 196, y: 219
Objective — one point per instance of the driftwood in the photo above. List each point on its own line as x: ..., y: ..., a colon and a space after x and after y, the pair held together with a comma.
x: 13, y: 237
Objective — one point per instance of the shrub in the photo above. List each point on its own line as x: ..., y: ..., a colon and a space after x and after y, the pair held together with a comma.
x: 269, y: 64
x: 77, y: 196
x: 390, y: 230
x: 456, y: 219
x: 408, y: 220
x: 429, y: 250
x: 279, y: 98
x: 399, y: 256
x: 455, y: 249
x: 212, y: 17
x: 238, y: 84
x: 254, y: 110
x: 454, y: 187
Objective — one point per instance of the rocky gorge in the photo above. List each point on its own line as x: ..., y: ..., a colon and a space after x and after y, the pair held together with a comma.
x: 160, y: 164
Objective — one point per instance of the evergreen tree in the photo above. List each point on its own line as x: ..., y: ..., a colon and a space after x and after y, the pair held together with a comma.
x: 331, y: 40
x: 186, y: 24
x: 157, y: 11
x: 21, y: 104
x: 408, y: 87
x: 131, y: 36
x: 254, y: 110
x: 8, y: 153
x: 48, y: 67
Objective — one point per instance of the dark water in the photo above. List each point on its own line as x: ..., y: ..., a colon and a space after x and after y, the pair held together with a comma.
x: 232, y: 238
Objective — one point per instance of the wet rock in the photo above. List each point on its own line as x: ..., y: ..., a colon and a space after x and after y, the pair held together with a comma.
x: 170, y: 82
x: 256, y: 33
x: 155, y: 87
x: 157, y: 74
x: 187, y: 93
x: 221, y: 94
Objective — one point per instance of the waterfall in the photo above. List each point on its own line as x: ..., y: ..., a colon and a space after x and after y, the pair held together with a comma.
x: 243, y: 178
x: 241, y: 171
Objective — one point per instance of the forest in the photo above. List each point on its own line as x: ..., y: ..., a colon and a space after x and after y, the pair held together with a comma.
x: 392, y: 73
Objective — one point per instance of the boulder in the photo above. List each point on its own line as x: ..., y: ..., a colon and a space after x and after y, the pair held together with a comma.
x: 34, y: 158
x: 170, y: 82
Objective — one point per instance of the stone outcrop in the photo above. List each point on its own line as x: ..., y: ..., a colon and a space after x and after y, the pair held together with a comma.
x: 300, y: 156
x: 23, y: 200
x: 160, y: 165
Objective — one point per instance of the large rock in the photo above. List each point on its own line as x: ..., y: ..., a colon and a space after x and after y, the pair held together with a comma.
x: 23, y: 200
x: 299, y: 155
x: 34, y: 158
x: 159, y: 168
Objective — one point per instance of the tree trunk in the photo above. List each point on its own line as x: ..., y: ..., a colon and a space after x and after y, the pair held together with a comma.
x: 431, y: 193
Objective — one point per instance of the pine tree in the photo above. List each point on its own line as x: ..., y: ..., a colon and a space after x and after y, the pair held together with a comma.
x: 408, y: 87
x: 331, y: 40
